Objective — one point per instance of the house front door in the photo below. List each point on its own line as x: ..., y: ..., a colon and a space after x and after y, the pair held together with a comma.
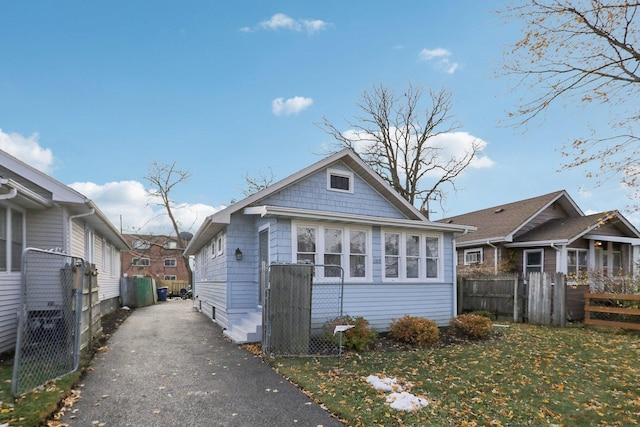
x: 263, y: 255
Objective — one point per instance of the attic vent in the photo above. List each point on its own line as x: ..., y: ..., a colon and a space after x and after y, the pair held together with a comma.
x: 499, y: 210
x: 450, y: 221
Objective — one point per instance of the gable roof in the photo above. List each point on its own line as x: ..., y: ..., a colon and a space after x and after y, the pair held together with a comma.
x: 568, y: 230
x: 500, y: 223
x: 216, y: 222
x: 37, y: 190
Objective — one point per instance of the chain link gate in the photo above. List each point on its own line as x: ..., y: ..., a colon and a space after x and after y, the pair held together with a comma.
x: 302, y: 306
x: 48, y: 342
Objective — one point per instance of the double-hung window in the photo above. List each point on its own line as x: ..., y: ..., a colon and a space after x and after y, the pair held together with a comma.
x: 170, y: 262
x: 412, y: 256
x: 346, y: 248
x: 576, y: 261
x: 11, y: 239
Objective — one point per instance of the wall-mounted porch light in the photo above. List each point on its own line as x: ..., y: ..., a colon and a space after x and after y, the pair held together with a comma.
x: 238, y: 254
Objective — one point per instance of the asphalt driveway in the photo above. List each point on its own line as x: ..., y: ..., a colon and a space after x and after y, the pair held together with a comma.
x: 169, y: 365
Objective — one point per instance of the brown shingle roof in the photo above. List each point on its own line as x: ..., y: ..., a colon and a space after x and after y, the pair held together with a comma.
x: 499, y: 223
x: 563, y: 228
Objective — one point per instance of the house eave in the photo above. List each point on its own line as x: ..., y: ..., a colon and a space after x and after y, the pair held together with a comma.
x: 538, y: 243
x: 279, y: 211
x: 630, y: 240
x: 25, y: 195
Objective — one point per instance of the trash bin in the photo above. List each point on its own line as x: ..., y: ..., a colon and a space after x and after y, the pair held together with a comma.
x: 162, y: 293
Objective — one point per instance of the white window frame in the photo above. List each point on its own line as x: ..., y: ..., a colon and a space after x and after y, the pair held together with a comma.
x: 402, y: 257
x: 175, y: 262
x: 8, y: 231
x: 525, y: 258
x: 169, y: 277
x: 220, y: 242
x: 577, y: 254
x: 140, y: 244
x: 170, y: 244
x: 341, y: 174
x: 136, y: 262
x: 480, y: 253
x: 212, y: 248
x: 345, y: 256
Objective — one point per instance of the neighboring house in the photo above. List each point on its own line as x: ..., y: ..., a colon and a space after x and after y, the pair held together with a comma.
x: 155, y: 256
x: 36, y: 211
x: 337, y: 211
x: 550, y: 234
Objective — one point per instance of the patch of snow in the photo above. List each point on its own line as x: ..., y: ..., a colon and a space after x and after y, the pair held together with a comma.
x: 405, y: 401
x: 386, y: 384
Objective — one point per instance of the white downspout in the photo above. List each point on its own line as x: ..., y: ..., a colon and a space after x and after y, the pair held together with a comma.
x: 495, y: 257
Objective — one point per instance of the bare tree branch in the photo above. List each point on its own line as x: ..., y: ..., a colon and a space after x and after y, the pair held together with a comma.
x: 395, y: 136
x: 584, y: 51
x: 163, y: 178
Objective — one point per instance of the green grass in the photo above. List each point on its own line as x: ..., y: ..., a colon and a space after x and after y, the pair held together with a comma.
x: 533, y: 375
x: 35, y: 407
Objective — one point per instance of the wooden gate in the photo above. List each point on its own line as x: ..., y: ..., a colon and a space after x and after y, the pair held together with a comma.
x: 288, y: 309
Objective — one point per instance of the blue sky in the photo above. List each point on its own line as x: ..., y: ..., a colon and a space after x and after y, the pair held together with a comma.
x: 94, y: 92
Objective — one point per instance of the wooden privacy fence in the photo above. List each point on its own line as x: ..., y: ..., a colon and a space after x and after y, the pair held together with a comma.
x: 538, y: 300
x: 616, y: 310
x: 173, y: 286
x: 501, y: 295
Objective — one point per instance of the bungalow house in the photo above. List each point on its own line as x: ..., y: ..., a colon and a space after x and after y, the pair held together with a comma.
x: 548, y: 233
x: 36, y: 211
x: 337, y: 211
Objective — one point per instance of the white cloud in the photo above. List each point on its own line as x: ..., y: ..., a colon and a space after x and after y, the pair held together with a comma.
x: 429, y: 54
x: 281, y: 21
x: 28, y: 150
x: 451, y: 145
x: 442, y: 56
x: 123, y: 202
x: 127, y: 205
x: 456, y: 144
x: 294, y: 105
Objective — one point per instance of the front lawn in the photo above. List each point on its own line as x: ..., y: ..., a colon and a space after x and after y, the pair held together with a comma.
x: 533, y: 375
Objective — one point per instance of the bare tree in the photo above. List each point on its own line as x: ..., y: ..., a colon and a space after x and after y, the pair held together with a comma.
x: 395, y: 136
x: 163, y: 178
x: 255, y: 184
x: 584, y: 51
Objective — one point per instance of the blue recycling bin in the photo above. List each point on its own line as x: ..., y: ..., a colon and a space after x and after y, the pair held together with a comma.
x: 162, y: 293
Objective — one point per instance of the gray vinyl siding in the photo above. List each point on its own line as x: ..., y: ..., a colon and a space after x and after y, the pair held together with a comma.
x: 311, y: 193
x: 45, y: 229
x: 9, y: 307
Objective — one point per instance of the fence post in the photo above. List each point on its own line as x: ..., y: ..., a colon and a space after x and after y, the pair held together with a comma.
x: 546, y: 299
x: 516, y: 300
x: 460, y: 285
x: 560, y: 301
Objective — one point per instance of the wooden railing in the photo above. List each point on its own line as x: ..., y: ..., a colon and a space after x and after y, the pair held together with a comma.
x: 614, y: 308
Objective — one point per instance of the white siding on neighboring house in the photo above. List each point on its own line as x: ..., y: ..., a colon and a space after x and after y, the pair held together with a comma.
x: 45, y: 228
x: 77, y: 240
x: 9, y: 307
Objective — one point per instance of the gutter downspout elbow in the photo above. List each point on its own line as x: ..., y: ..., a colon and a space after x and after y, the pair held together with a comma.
x: 10, y: 195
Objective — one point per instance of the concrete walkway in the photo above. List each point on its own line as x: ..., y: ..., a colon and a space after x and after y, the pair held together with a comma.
x: 169, y: 365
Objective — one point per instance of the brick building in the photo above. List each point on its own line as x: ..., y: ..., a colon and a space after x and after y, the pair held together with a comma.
x: 155, y: 256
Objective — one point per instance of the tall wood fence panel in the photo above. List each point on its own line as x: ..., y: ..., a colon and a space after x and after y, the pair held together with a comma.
x: 173, y: 286
x: 503, y: 296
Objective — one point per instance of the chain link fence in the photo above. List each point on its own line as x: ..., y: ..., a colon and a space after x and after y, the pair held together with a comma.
x: 48, y: 343
x: 302, y: 307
